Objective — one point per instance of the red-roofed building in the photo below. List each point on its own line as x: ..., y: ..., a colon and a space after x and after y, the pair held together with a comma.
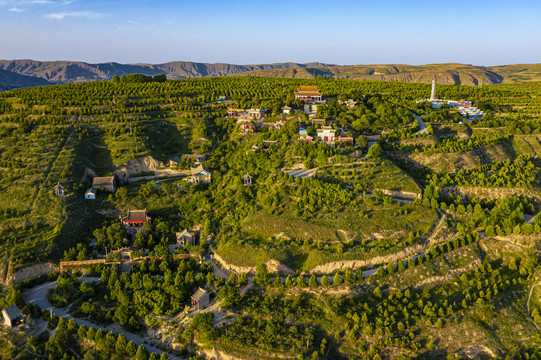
x: 134, y: 220
x: 308, y: 93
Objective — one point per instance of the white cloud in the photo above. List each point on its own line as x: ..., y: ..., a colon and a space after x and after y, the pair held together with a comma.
x: 16, y: 9
x: 84, y: 14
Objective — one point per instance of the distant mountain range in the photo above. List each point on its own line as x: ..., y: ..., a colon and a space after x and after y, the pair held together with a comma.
x: 11, y: 80
x: 21, y: 73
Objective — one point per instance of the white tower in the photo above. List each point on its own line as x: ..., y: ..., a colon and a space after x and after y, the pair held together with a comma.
x: 433, y: 92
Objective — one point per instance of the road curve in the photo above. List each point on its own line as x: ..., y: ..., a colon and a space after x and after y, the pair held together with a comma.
x: 38, y: 295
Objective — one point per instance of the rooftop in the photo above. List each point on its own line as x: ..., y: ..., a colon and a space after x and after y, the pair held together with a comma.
x: 136, y: 215
x: 199, y: 170
x: 103, y: 181
x: 308, y: 90
x: 185, y: 232
x: 199, y: 294
x: 13, y: 312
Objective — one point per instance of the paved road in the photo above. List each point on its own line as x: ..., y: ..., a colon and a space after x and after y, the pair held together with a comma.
x: 164, y: 176
x: 37, y: 295
x: 302, y: 173
x: 422, y: 124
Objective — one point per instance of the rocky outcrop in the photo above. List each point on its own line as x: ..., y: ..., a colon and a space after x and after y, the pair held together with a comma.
x: 273, y: 266
x: 137, y: 167
x: 488, y: 193
x: 232, y: 267
x: 332, y: 267
x: 476, y: 353
x: 29, y: 272
x: 401, y: 194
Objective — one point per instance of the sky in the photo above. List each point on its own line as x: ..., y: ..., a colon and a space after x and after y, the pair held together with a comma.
x: 255, y: 32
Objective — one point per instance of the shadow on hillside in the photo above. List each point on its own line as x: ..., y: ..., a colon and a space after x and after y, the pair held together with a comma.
x: 92, y: 153
x: 488, y: 157
x: 79, y: 215
x: 164, y: 138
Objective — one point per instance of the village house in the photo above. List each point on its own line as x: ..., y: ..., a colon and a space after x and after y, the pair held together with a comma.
x: 279, y: 124
x: 308, y: 93
x: 345, y: 139
x: 286, y: 109
x: 59, y: 190
x: 12, y: 316
x: 107, y: 183
x: 326, y: 134
x: 233, y: 112
x: 186, y: 237
x: 268, y: 143
x: 349, y: 103
x: 247, y: 127
x: 247, y: 179
x: 222, y: 98
x: 195, y: 158
x: 273, y: 125
x: 201, y: 175
x: 200, y: 299
x: 254, y: 147
x: 319, y: 122
x: 303, y: 136
x: 255, y: 113
x: 134, y: 221
x: 91, y: 193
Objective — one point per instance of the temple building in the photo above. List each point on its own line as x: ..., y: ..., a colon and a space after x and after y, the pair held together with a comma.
x: 134, y: 220
x: 308, y: 93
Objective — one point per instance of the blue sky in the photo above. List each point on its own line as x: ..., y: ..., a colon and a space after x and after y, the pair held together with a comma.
x: 249, y: 32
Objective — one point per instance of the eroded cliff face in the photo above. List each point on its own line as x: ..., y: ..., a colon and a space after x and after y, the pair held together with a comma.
x: 137, y: 167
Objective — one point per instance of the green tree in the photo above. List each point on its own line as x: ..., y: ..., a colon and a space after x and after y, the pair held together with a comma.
x: 289, y: 281
x: 232, y: 281
x: 72, y: 326
x: 142, y: 353
x: 390, y: 268
x: 121, y: 344
x: 337, y: 280
x: 262, y: 276
x: 375, y: 151
x: 380, y: 272
x: 131, y: 349
x: 313, y: 281
x: 243, y: 280
x: 325, y: 281
x: 81, y: 332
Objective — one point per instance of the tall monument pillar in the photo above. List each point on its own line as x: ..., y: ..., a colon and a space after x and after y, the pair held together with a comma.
x: 433, y: 92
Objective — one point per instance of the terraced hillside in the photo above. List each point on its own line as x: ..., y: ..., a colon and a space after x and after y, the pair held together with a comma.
x: 401, y: 239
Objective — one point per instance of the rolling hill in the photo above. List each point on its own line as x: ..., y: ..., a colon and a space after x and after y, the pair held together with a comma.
x: 75, y: 71
x: 443, y: 73
x: 10, y: 80
x: 450, y: 73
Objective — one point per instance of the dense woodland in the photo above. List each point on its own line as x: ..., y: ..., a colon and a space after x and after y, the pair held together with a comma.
x: 441, y: 225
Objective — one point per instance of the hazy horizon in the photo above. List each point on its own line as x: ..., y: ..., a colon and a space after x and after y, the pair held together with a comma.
x: 344, y: 33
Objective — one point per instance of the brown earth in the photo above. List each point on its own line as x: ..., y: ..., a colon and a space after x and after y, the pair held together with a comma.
x: 449, y: 73
x: 30, y: 272
x: 136, y: 167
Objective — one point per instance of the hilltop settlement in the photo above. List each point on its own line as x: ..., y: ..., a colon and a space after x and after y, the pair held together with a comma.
x: 270, y: 218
